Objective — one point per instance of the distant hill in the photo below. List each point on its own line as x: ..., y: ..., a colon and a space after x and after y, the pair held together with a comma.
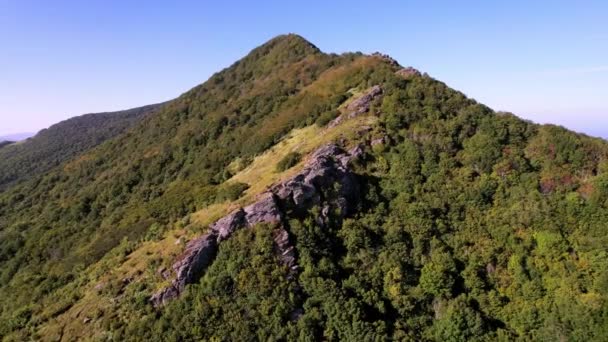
x: 304, y: 196
x: 63, y: 141
x: 16, y: 137
x: 5, y: 143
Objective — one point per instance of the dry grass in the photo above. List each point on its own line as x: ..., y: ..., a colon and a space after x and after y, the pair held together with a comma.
x: 261, y: 173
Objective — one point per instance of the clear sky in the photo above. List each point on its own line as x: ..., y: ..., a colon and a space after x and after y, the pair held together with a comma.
x: 543, y: 60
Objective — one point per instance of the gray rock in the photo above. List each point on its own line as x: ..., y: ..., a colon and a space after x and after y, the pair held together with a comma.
x: 358, y: 106
x: 227, y: 225
x: 265, y: 210
x: 327, y: 166
x: 362, y: 103
x: 387, y: 58
x: 198, y: 255
x: 408, y: 72
x: 163, y: 272
x: 188, y: 268
x: 285, y: 250
x: 100, y: 286
x: 163, y: 296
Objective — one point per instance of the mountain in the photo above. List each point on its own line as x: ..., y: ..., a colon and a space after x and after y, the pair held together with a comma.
x: 16, y: 137
x: 299, y: 195
x: 63, y: 141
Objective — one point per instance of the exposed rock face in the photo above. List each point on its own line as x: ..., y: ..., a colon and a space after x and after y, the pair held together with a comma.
x: 387, y: 58
x: 326, y: 167
x: 265, y: 210
x: 408, y: 72
x: 358, y: 106
x: 361, y: 105
x: 285, y: 249
x: 225, y: 226
x: 198, y: 255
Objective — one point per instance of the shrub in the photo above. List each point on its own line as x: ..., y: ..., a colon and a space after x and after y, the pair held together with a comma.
x: 326, y: 118
x: 231, y: 191
x: 289, y: 161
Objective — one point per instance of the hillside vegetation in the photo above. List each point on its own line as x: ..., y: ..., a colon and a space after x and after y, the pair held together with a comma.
x: 63, y: 141
x: 471, y: 224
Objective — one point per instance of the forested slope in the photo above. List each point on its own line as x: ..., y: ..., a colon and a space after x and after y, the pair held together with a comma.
x: 63, y: 141
x: 469, y: 224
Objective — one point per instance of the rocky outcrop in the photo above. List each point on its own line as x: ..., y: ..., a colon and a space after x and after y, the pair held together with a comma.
x: 198, y: 255
x: 285, y: 249
x: 390, y: 60
x: 358, y: 106
x: 227, y: 225
x: 265, y: 210
x: 361, y: 104
x: 326, y: 167
x: 408, y: 72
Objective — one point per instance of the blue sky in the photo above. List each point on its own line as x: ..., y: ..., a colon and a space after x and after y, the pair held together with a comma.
x: 543, y: 60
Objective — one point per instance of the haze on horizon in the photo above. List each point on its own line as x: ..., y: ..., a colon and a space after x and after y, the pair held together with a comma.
x: 545, y: 62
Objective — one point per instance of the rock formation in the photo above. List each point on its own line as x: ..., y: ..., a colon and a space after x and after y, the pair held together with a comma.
x: 358, y: 106
x: 325, y: 167
x: 408, y: 72
x: 387, y: 58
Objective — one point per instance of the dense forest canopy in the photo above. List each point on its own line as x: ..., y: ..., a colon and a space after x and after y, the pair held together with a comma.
x: 471, y: 224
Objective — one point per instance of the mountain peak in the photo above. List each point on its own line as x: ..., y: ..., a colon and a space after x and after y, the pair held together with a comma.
x: 292, y: 40
x: 287, y: 48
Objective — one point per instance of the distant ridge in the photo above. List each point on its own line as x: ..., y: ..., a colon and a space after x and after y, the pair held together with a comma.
x: 16, y: 136
x: 63, y: 141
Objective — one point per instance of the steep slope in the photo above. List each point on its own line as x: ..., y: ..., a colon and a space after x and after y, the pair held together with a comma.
x: 171, y: 164
x: 63, y: 141
x: 303, y: 196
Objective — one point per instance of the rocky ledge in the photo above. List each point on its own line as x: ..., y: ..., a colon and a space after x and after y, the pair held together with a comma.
x: 325, y: 167
x: 358, y: 106
x: 408, y: 72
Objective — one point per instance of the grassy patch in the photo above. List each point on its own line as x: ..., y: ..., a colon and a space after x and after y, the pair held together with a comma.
x: 289, y: 161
